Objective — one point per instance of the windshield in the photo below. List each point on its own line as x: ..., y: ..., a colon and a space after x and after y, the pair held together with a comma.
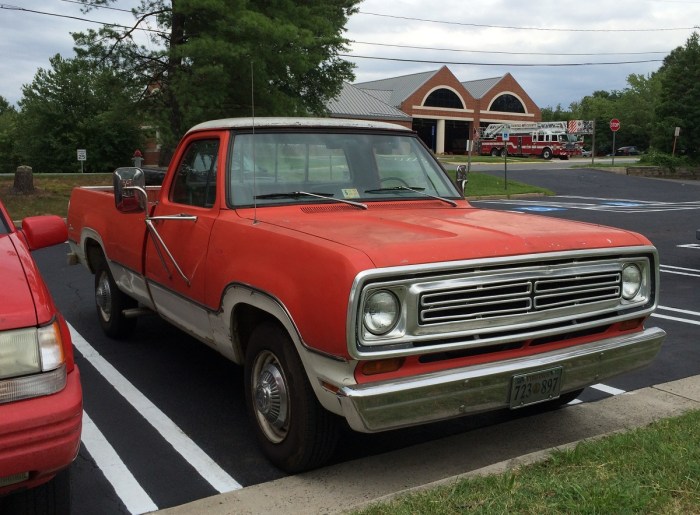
x: 301, y: 167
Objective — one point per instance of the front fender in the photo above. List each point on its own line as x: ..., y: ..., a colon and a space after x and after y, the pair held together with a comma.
x: 231, y: 334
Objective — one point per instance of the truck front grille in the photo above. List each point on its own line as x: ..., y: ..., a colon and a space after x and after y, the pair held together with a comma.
x: 495, y: 299
x: 505, y: 303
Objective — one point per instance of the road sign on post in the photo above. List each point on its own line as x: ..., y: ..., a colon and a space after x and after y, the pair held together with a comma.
x: 676, y: 133
x: 82, y: 157
x: 614, y: 127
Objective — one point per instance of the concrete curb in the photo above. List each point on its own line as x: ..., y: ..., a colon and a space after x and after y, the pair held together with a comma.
x: 489, y: 450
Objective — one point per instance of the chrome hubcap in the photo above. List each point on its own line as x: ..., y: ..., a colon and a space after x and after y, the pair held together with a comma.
x: 271, y: 396
x: 103, y: 297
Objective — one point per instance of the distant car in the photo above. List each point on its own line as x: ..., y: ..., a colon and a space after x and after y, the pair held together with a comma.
x: 585, y: 153
x: 40, y: 392
x: 627, y: 151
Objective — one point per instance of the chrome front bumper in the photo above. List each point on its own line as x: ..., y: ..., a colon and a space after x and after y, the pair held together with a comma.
x: 442, y: 395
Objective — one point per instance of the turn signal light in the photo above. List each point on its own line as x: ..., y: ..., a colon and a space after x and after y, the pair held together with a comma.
x: 382, y: 366
x: 631, y: 324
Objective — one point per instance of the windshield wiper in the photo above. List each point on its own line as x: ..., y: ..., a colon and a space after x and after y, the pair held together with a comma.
x: 414, y: 190
x: 298, y: 194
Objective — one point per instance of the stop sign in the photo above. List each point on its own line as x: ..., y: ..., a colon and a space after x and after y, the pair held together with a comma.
x: 614, y: 125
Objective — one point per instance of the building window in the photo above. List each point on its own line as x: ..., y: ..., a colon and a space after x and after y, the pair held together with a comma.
x: 443, y: 98
x: 507, y: 104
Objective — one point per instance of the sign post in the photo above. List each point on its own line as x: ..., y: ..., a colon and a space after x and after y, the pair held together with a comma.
x: 505, y: 136
x: 676, y: 133
x: 82, y: 157
x: 614, y: 127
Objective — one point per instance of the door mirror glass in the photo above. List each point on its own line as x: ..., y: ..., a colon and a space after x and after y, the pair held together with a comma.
x: 129, y: 190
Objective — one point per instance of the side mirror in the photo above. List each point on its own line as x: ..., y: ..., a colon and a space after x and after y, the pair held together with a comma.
x: 129, y: 190
x: 44, y: 231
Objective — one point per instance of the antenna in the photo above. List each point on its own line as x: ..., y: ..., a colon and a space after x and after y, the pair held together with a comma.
x: 252, y: 109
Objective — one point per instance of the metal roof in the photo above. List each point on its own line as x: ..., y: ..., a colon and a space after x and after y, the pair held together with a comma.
x: 478, y: 88
x: 398, y: 88
x: 353, y: 102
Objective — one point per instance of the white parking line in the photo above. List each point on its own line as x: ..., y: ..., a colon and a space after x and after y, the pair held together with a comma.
x: 678, y: 319
x: 607, y: 389
x: 122, y: 480
x: 677, y: 310
x: 200, y: 461
x: 677, y: 271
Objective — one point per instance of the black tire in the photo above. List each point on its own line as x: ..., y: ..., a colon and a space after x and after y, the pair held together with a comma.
x: 110, y: 303
x: 52, y: 498
x: 504, y: 152
x: 495, y: 152
x: 547, y: 154
x: 294, y: 431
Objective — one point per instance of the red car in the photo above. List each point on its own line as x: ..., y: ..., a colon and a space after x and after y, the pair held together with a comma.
x: 40, y: 392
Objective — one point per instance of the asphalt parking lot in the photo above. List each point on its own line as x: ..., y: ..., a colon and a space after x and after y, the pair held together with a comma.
x: 143, y: 395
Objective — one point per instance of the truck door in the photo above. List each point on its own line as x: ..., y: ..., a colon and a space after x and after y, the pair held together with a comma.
x: 176, y: 250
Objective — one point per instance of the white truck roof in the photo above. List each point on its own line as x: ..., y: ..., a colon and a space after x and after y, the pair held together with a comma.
x: 268, y: 122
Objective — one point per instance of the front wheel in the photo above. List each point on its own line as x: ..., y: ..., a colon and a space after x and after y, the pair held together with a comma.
x: 295, y: 432
x: 495, y: 152
x: 547, y: 154
x: 111, y: 302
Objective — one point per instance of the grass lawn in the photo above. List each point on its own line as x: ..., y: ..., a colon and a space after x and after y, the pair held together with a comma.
x: 51, y: 195
x: 53, y: 191
x: 655, y: 469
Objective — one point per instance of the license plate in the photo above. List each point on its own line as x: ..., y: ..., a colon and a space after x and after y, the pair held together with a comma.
x: 535, y: 387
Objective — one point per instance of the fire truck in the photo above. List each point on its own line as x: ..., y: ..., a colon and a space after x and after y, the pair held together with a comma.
x: 546, y: 139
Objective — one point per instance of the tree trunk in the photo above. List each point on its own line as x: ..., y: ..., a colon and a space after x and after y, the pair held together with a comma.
x: 24, y: 180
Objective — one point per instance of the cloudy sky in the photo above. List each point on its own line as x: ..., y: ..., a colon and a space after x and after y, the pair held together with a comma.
x: 558, y: 50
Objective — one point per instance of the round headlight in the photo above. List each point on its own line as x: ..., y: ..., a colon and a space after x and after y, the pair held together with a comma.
x: 381, y: 312
x: 631, y: 281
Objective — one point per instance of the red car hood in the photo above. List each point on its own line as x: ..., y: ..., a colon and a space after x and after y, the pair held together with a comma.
x: 17, y: 306
x: 392, y: 235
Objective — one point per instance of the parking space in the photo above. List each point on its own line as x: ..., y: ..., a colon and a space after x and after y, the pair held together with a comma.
x: 165, y: 421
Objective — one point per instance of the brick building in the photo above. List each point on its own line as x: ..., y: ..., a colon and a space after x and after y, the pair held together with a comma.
x: 443, y: 110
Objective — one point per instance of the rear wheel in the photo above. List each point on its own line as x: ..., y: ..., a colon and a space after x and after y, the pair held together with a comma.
x: 504, y: 152
x: 111, y: 302
x: 295, y: 432
x: 495, y: 152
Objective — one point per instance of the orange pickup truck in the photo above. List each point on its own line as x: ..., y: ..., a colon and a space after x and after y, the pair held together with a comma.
x: 339, y: 265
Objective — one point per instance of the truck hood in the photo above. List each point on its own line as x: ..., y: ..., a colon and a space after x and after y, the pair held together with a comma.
x: 16, y: 298
x: 392, y: 235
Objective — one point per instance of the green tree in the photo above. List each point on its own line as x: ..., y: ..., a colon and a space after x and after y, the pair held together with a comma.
x: 555, y: 114
x: 77, y: 105
x: 210, y: 58
x: 9, y: 160
x: 636, y: 106
x: 679, y: 99
x: 601, y: 107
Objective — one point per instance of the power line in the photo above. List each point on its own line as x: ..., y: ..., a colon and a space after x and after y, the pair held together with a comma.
x: 105, y: 24
x: 97, y: 6
x: 511, y: 27
x: 532, y: 65
x: 503, y: 52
